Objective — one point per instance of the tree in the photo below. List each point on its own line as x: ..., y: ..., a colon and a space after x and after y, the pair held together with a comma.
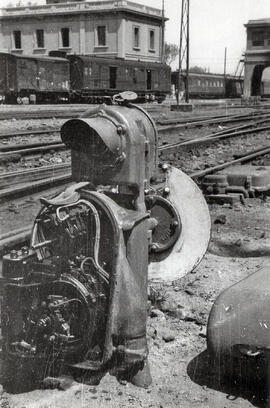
x: 171, y: 53
x: 197, y: 70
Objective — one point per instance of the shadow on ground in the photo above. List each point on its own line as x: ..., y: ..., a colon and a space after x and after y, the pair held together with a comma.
x: 201, y: 371
x: 239, y: 249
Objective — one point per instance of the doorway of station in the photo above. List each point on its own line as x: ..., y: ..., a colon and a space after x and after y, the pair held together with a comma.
x: 148, y: 79
x: 266, y: 83
x: 256, y: 83
x: 113, y: 75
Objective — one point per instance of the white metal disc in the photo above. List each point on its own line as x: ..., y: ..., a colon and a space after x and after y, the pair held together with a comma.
x: 193, y: 241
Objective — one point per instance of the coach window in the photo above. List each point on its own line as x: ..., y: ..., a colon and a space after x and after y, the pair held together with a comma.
x: 151, y: 40
x: 17, y: 40
x: 136, y: 37
x: 65, y: 37
x: 101, y: 36
x: 40, y: 38
x: 257, y: 38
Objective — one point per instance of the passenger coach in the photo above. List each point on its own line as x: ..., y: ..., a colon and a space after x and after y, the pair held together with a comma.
x: 208, y: 85
x: 95, y: 79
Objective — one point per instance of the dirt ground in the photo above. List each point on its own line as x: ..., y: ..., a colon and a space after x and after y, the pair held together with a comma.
x: 181, y: 372
x: 180, y: 368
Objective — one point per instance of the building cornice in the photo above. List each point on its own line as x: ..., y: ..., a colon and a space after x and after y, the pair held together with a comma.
x: 258, y: 23
x: 107, y: 6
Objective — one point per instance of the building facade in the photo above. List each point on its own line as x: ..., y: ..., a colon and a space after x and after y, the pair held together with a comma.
x: 257, y: 55
x: 115, y: 28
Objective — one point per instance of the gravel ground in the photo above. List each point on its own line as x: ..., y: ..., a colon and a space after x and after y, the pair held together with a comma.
x: 191, y: 159
x: 182, y: 375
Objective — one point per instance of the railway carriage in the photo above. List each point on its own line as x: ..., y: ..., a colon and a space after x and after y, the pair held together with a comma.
x: 209, y: 85
x: 95, y: 79
x: 79, y: 78
x: 40, y: 79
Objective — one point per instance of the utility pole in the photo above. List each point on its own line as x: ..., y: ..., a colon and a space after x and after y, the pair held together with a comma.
x: 225, y: 66
x: 184, y: 51
x: 163, y: 35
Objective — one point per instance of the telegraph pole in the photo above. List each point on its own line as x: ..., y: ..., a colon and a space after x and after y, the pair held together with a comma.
x: 184, y: 51
x: 163, y: 34
x: 225, y: 67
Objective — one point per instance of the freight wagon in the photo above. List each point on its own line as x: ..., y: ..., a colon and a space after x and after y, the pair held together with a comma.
x: 95, y: 79
x: 41, y: 79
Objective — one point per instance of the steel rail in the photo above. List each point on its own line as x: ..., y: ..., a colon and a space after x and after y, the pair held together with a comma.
x: 214, y: 137
x: 40, y: 115
x: 28, y: 133
x: 40, y: 149
x: 29, y: 188
x: 13, y: 178
x: 165, y: 129
x: 19, y: 147
x: 247, y: 157
x: 173, y: 121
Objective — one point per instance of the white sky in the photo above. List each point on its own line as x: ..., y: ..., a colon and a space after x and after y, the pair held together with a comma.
x: 214, y: 25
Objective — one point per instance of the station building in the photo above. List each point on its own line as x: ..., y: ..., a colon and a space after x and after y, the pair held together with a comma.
x: 111, y: 28
x: 257, y: 56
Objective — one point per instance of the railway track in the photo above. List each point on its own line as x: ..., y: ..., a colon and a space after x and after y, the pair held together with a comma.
x: 225, y: 134
x: 26, y: 182
x: 20, y: 236
x: 163, y: 124
x: 44, y: 147
x: 38, y: 132
x: 13, y: 181
x: 175, y: 126
x: 46, y: 114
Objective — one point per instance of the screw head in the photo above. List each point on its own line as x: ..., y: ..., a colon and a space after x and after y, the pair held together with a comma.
x: 165, y: 167
x: 166, y: 191
x: 174, y: 224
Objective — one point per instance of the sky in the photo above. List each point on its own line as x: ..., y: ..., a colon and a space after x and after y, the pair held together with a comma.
x: 214, y: 25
